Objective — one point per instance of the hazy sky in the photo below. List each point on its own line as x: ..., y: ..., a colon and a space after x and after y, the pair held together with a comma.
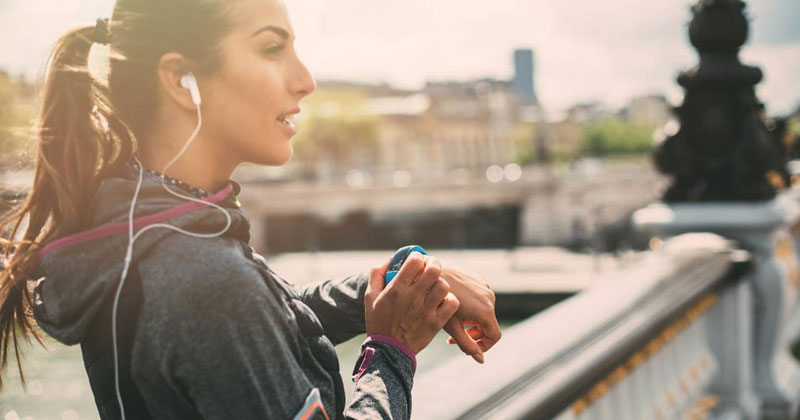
x: 585, y: 50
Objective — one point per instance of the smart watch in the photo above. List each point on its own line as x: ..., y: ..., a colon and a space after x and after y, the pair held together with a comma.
x: 399, y: 258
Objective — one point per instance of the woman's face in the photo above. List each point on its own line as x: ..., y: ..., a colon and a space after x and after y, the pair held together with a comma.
x: 249, y: 102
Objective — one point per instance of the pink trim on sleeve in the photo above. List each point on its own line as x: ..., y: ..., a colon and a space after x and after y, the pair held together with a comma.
x: 395, y: 342
x: 369, y: 355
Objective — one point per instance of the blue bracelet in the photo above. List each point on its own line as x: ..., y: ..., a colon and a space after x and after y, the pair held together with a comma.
x: 399, y: 258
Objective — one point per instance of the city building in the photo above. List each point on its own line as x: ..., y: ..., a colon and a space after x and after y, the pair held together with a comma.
x: 445, y: 126
x: 648, y: 111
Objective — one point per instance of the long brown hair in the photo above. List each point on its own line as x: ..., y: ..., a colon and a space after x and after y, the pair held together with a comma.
x: 87, y: 128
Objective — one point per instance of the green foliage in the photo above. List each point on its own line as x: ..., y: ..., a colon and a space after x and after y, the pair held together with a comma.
x: 523, y: 139
x: 793, y: 125
x: 16, y: 116
x: 335, y: 138
x: 337, y: 130
x: 329, y: 102
x: 614, y: 136
x: 7, y: 106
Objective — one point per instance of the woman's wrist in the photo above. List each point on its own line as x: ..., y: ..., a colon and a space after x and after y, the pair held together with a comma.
x: 377, y: 338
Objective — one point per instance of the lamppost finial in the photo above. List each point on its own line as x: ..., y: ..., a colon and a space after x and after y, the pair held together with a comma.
x: 723, y: 151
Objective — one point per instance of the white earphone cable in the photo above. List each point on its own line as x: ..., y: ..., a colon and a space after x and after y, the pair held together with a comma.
x: 132, y: 238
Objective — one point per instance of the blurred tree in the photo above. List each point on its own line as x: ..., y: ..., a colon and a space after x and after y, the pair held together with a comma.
x: 614, y: 136
x: 337, y: 132
x: 336, y: 141
x: 16, y: 114
x: 524, y: 140
x: 6, y: 116
x: 566, y: 140
x: 792, y: 138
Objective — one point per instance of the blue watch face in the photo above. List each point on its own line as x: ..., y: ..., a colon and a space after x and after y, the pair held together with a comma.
x: 399, y: 258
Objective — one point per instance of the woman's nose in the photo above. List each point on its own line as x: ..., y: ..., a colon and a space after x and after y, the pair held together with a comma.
x: 303, y: 82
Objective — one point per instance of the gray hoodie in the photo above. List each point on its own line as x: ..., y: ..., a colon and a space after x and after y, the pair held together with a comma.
x: 216, y: 334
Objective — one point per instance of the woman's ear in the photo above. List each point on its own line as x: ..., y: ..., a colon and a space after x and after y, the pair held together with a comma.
x: 171, y: 68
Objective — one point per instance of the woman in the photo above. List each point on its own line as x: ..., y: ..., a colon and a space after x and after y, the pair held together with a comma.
x: 177, y: 316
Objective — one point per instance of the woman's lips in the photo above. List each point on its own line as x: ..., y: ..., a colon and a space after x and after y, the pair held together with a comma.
x: 287, y: 124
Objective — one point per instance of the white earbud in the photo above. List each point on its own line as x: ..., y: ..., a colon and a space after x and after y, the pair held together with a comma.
x: 188, y: 81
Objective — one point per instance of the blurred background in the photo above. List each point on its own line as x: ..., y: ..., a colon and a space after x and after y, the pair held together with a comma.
x: 512, y: 138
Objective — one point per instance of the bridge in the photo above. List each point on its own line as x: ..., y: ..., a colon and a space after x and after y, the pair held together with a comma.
x: 545, y: 207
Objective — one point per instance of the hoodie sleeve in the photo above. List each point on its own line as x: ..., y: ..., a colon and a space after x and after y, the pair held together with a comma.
x: 339, y: 304
x: 383, y: 376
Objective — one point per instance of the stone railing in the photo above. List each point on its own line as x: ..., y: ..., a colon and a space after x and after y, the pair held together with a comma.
x: 631, y: 347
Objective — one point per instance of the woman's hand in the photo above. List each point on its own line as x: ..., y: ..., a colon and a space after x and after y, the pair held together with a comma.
x: 414, y: 306
x: 477, y: 302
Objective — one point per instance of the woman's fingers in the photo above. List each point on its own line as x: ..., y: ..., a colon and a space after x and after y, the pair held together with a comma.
x: 420, y: 290
x: 429, y: 275
x: 411, y: 269
x: 476, y: 333
x: 462, y: 338
x: 437, y: 292
x: 491, y: 333
x: 377, y: 280
x: 486, y: 337
x: 447, y: 308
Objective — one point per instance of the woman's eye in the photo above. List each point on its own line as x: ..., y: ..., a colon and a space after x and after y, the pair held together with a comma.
x: 274, y: 50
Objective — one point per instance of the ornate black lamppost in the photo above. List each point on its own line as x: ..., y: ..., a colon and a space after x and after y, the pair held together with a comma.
x: 726, y: 167
x: 723, y: 151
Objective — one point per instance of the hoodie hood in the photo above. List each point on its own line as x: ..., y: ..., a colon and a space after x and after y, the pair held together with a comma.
x: 76, y: 274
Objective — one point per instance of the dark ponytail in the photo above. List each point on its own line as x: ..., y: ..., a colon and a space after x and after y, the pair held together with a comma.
x: 87, y: 129
x: 67, y: 164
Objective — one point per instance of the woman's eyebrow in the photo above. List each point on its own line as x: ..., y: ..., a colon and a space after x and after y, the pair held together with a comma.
x: 283, y: 33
